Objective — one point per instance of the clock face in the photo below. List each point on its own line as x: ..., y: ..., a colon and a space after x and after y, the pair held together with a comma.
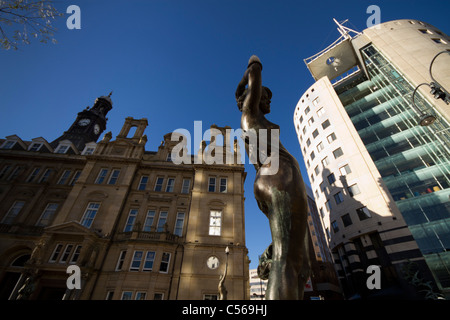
x: 84, y: 122
x: 212, y: 262
x: 96, y: 129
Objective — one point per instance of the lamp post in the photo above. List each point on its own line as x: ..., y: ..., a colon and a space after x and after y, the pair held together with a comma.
x: 436, y: 90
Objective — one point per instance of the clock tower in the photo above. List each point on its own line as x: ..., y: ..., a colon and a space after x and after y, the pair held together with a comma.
x: 89, y: 124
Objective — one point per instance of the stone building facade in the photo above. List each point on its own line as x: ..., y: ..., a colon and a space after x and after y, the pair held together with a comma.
x: 137, y: 225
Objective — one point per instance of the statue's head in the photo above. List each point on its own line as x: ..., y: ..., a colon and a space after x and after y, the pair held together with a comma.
x: 264, y: 104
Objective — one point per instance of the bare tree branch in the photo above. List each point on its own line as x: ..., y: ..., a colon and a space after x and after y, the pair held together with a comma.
x: 19, y: 16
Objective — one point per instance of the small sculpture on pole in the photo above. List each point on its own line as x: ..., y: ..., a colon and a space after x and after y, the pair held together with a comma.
x: 222, y: 289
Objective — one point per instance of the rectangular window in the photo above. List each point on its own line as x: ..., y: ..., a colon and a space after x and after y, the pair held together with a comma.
x: 215, y: 223
x: 66, y: 253
x: 179, y: 224
x: 101, y: 176
x: 304, y: 130
x: 148, y: 262
x: 223, y: 185
x: 322, y: 214
x: 322, y: 186
x: 337, y: 153
x: 345, y: 170
x: 159, y: 184
x: 64, y: 177
x: 311, y: 121
x: 162, y: 221
x: 45, y: 176
x: 307, y: 110
x: 325, y: 162
x: 15, y: 173
x: 127, y: 295
x: 301, y: 119
x: 13, y: 212
x: 346, y: 220
x: 320, y: 147
x: 4, y: 171
x: 8, y: 144
x: 109, y: 295
x: 320, y: 112
x: 308, y: 143
x: 158, y: 296
x: 315, y: 133
x: 338, y: 197
x: 170, y: 184
x: 35, y: 146
x: 186, y: 185
x: 325, y: 124
x: 62, y: 149
x: 425, y: 31
x: 212, y: 184
x: 136, y: 262
x: 89, y: 214
x: 327, y: 205
x: 140, y: 295
x: 363, y: 213
x: 331, y: 137
x: 33, y: 174
x: 149, y: 220
x: 56, y: 253
x: 312, y: 177
x: 121, y: 259
x: 143, y: 183
x: 164, y: 267
x: 89, y: 151
x: 331, y: 179
x: 353, y: 190
x: 75, y: 255
x: 316, y: 101
x: 130, y: 221
x: 317, y: 170
x: 114, y: 176
x: 75, y: 177
x: 335, y: 226
x: 438, y: 40
x: 47, y: 215
x: 313, y: 155
x: 328, y: 233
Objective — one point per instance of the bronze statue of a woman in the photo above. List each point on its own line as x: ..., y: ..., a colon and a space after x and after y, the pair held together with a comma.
x: 281, y: 196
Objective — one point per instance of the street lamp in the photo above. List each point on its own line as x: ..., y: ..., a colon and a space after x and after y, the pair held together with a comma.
x: 436, y: 90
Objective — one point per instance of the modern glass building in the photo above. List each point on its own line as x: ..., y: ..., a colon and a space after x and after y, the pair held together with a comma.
x: 364, y: 89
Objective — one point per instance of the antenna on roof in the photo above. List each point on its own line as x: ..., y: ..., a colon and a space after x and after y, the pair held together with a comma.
x: 343, y: 30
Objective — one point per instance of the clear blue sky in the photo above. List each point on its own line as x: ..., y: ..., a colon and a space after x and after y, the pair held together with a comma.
x: 176, y: 62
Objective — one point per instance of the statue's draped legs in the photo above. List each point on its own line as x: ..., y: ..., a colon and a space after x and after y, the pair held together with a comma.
x: 285, y: 262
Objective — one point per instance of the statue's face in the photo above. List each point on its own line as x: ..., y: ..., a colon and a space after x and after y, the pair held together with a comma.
x: 264, y: 104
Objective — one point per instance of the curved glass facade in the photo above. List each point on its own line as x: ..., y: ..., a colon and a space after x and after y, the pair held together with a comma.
x: 414, y: 161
